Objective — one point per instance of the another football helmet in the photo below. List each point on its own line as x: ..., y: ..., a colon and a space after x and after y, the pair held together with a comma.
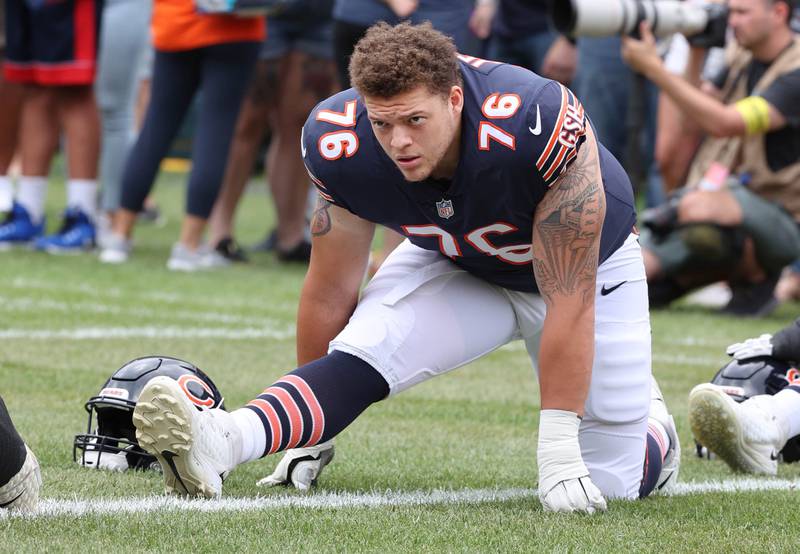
x: 741, y: 379
x: 111, y: 444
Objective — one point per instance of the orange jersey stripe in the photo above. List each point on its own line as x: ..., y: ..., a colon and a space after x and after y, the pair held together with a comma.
x: 556, y: 130
x: 556, y: 163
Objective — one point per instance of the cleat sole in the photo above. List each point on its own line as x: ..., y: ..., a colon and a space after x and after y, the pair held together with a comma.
x: 164, y: 429
x: 716, y: 426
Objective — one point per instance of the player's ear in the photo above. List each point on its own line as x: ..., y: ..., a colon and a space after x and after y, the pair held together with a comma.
x: 456, y: 98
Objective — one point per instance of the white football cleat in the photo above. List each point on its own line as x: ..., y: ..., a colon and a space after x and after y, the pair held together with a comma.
x: 672, y: 461
x: 746, y: 436
x: 21, y: 493
x: 196, y: 449
x: 300, y: 467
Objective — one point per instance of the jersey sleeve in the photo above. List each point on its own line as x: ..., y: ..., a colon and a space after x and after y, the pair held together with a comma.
x: 557, y: 121
x: 784, y: 94
x: 315, y: 167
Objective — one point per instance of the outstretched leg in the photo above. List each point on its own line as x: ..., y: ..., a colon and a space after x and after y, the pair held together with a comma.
x: 20, y: 479
x: 308, y: 406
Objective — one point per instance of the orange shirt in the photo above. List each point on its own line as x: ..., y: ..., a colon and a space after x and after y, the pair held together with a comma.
x: 178, y: 26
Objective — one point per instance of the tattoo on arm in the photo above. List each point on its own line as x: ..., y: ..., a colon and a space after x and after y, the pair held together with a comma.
x: 321, y: 220
x: 567, y: 226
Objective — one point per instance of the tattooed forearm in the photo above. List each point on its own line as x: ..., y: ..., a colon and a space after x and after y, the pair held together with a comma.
x: 567, y: 226
x: 321, y: 220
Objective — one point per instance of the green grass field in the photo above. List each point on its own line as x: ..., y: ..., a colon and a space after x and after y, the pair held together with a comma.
x: 67, y: 323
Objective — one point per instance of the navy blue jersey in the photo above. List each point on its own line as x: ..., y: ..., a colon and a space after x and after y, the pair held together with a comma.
x: 519, y: 132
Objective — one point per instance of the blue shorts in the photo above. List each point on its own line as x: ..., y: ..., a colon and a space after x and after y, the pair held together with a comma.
x: 311, y: 36
x: 51, y: 42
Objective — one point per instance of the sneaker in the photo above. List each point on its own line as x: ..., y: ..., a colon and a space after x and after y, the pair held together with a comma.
x: 672, y: 462
x: 300, y: 253
x: 21, y: 493
x: 77, y: 234
x: 753, y: 299
x: 746, y: 436
x: 17, y: 229
x: 268, y: 244
x: 196, y: 448
x: 151, y: 213
x: 229, y: 249
x: 116, y: 249
x: 184, y: 259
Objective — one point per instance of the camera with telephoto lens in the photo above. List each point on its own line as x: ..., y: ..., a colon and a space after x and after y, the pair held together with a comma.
x: 703, y: 24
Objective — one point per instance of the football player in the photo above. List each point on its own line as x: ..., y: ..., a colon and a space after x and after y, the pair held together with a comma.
x: 518, y: 225
x: 20, y: 478
x: 749, y: 436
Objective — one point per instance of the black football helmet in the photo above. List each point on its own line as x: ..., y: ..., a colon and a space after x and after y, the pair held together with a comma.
x: 112, y: 443
x: 741, y: 379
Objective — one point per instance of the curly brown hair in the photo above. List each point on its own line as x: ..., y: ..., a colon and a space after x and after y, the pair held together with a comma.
x: 391, y: 60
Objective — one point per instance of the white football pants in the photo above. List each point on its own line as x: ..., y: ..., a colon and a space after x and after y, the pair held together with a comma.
x: 422, y: 316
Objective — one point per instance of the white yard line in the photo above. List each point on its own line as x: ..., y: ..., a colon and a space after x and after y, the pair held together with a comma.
x: 24, y: 304
x: 154, y: 332
x: 332, y: 500
x: 184, y: 300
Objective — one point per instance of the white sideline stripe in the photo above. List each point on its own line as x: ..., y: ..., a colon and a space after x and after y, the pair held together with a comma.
x: 191, y: 300
x: 24, y: 304
x: 95, y: 333
x: 333, y: 500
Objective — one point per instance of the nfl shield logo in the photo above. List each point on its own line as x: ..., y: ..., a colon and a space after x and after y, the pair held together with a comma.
x: 445, y: 208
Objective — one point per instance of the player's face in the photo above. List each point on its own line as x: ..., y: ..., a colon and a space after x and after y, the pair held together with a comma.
x: 419, y: 130
x: 752, y: 21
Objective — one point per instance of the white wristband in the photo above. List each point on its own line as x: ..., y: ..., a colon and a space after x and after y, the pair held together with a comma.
x: 559, y: 453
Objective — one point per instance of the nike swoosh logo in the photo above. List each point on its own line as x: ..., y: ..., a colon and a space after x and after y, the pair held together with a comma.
x: 773, y: 456
x: 10, y: 502
x: 606, y: 291
x: 167, y: 455
x: 538, y: 129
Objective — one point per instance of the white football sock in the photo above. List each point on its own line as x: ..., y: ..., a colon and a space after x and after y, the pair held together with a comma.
x: 6, y: 193
x: 254, y: 438
x: 31, y: 195
x: 786, y: 406
x: 655, y: 428
x: 82, y: 194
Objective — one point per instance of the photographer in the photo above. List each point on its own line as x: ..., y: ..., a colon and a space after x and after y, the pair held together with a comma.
x: 736, y: 218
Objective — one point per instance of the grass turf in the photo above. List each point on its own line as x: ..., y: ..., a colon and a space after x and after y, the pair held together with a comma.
x: 474, y: 428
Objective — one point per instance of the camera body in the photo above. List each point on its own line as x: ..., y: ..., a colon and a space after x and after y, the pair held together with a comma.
x: 703, y: 25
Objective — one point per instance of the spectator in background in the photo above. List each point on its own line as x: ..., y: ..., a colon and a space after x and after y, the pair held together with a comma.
x: 521, y: 35
x: 622, y: 110
x: 10, y: 104
x: 294, y: 73
x: 124, y: 35
x: 466, y: 21
x: 744, y: 227
x: 194, y: 52
x: 51, y: 49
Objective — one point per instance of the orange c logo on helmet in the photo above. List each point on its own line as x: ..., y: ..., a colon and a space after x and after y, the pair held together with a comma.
x: 204, y: 401
x: 793, y: 376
